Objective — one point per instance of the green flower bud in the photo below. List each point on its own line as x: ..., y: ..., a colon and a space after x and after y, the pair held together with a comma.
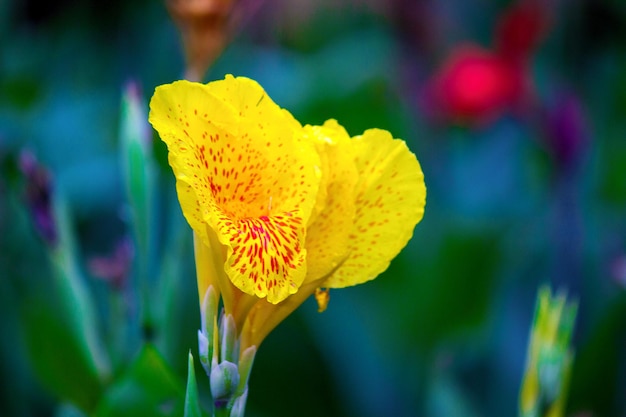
x: 224, y: 382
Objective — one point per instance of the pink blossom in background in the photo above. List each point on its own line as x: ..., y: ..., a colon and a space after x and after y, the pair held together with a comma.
x: 475, y: 85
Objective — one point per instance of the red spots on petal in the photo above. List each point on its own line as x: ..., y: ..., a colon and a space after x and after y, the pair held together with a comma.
x: 267, y: 255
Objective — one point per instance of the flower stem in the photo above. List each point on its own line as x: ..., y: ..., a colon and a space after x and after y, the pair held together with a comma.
x: 221, y: 412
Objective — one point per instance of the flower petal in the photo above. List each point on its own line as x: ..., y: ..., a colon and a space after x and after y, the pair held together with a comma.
x: 266, y: 257
x: 244, y: 169
x: 328, y: 234
x: 389, y: 203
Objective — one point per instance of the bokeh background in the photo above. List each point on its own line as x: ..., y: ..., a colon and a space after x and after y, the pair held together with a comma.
x: 515, y: 109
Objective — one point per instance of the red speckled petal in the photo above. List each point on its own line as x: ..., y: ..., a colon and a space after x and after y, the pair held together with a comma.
x: 239, y: 159
x: 267, y: 258
x: 328, y: 239
x: 390, y: 201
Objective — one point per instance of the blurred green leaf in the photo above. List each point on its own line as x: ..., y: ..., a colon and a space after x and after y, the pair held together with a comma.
x: 614, y: 179
x: 21, y: 91
x: 74, y: 295
x: 192, y: 406
x: 139, y: 176
x: 137, y: 162
x: 594, y: 383
x: 58, y: 353
x: 370, y: 105
x: 147, y: 388
x: 454, y: 289
x: 60, y: 326
x: 174, y: 293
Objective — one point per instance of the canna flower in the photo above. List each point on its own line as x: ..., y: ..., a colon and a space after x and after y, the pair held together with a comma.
x: 247, y: 180
x: 279, y: 211
x: 374, y: 194
x: 276, y: 204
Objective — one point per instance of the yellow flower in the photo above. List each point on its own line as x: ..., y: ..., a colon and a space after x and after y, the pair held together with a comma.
x: 280, y: 210
x: 246, y: 178
x: 371, y: 197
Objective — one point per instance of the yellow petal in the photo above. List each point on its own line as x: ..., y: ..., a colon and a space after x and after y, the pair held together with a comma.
x: 184, y: 135
x: 327, y: 241
x: 206, y: 271
x: 390, y: 199
x: 244, y: 169
x: 266, y: 257
x: 263, y: 317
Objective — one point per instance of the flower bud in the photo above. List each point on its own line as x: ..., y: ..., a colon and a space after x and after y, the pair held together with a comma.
x: 203, y: 350
x: 550, y: 356
x: 203, y: 27
x: 224, y: 382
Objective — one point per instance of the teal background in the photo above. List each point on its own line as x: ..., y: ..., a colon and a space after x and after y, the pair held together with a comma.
x: 443, y: 332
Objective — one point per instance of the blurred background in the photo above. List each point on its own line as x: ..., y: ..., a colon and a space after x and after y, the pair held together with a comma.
x: 515, y: 109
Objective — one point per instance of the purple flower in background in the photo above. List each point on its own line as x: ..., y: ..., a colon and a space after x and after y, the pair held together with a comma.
x: 114, y: 268
x: 39, y: 197
x: 567, y: 131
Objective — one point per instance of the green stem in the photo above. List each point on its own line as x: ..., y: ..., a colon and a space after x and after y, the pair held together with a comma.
x: 221, y: 412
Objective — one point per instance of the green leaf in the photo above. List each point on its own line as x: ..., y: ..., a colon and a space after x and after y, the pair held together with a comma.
x: 77, y: 302
x: 139, y: 178
x: 192, y: 406
x: 452, y: 292
x: 58, y: 353
x: 595, y: 375
x: 137, y: 162
x: 148, y: 388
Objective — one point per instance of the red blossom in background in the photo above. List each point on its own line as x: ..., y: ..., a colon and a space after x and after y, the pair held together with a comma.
x: 521, y: 29
x: 475, y: 85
